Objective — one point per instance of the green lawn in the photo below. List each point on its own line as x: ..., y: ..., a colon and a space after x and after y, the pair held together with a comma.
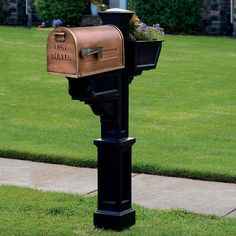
x: 30, y: 212
x: 183, y: 114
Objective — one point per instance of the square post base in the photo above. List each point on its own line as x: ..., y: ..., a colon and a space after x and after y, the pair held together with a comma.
x: 114, y: 220
x: 114, y: 184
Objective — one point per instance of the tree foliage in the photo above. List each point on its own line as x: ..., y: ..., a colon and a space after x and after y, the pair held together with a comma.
x: 173, y: 15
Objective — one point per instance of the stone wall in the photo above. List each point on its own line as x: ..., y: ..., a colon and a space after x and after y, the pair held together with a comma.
x: 234, y: 19
x: 14, y: 13
x: 9, y: 12
x: 12, y: 10
x: 216, y: 17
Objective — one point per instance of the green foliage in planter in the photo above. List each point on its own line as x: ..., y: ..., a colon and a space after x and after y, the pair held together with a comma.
x: 69, y: 11
x: 173, y: 15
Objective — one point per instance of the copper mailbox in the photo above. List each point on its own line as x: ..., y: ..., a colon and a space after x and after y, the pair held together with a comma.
x: 84, y: 51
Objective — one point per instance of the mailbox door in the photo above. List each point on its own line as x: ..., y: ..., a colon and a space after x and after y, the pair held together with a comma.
x: 61, y: 53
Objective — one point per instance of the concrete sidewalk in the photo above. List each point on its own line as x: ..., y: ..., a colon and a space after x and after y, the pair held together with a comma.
x: 148, y: 190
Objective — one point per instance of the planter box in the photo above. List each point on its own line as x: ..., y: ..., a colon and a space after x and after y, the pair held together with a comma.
x: 143, y: 55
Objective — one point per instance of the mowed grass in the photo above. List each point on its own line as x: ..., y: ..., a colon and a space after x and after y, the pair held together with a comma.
x: 30, y: 212
x: 183, y: 114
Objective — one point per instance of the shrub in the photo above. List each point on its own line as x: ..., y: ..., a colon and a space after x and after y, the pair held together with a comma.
x: 172, y: 15
x: 69, y: 11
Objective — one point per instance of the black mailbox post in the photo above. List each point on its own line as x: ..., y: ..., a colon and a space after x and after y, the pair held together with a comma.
x: 107, y: 94
x: 99, y: 71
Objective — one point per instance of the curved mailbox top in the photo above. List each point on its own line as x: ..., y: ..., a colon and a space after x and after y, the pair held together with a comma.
x: 85, y: 51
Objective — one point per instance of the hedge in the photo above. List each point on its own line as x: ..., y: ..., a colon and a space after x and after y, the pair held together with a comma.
x: 173, y: 15
x: 69, y: 11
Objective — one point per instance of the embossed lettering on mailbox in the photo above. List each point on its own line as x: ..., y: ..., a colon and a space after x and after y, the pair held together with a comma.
x: 83, y: 51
